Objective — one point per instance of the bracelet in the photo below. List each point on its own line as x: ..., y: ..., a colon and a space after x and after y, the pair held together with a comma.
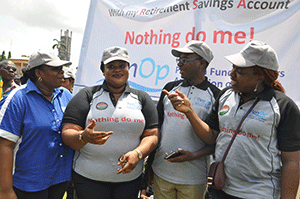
x: 81, y: 138
x: 139, y: 153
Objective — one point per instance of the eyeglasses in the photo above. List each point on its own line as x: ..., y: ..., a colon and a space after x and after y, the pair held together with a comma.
x: 185, y: 60
x: 10, y: 67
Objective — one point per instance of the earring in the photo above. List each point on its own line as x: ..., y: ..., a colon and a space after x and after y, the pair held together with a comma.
x: 40, y: 79
x: 256, y: 87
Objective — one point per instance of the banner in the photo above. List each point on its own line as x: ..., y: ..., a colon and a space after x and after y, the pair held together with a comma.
x: 150, y: 29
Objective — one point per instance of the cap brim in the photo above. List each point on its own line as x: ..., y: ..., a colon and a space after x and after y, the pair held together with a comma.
x: 239, y: 60
x: 178, y: 51
x: 114, y: 59
x: 58, y: 63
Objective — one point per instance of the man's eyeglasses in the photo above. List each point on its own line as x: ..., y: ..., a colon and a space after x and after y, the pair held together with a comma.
x: 10, y: 67
x: 185, y: 60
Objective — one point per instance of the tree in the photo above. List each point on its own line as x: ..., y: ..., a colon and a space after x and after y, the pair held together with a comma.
x: 9, y: 55
x: 59, y: 44
x: 3, y: 57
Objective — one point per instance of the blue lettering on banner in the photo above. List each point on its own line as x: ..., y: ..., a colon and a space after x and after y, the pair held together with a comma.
x: 162, y: 71
x: 159, y: 70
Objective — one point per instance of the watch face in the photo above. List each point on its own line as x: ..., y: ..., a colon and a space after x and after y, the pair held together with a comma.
x: 139, y: 153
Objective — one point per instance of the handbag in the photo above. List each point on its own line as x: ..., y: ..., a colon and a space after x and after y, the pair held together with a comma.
x: 216, y: 174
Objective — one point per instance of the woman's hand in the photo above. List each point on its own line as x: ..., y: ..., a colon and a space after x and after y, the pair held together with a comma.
x: 179, y: 101
x: 95, y: 137
x: 128, y: 162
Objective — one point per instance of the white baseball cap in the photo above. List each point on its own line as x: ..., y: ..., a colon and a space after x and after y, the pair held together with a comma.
x: 194, y: 46
x: 255, y: 53
x: 39, y: 58
x: 115, y: 53
x: 68, y: 73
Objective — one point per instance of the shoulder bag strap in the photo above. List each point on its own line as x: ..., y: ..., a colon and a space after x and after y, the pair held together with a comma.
x: 238, y: 129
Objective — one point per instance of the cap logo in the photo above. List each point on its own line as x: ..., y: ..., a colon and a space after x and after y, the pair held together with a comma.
x: 117, y: 52
x: 224, y: 110
x: 101, y: 106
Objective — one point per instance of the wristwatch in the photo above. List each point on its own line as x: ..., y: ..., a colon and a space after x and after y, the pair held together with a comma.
x: 80, y: 137
x: 139, y: 153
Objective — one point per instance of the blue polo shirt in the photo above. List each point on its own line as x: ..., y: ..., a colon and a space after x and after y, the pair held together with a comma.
x: 34, y: 123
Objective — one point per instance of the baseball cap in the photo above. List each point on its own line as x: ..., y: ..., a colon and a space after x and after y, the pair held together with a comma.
x: 115, y: 53
x: 255, y: 53
x: 68, y: 73
x: 42, y: 57
x: 7, y: 63
x: 198, y: 47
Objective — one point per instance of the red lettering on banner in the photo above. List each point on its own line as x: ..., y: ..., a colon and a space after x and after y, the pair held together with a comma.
x: 152, y: 38
x: 239, y: 37
x: 142, y: 11
x: 219, y: 36
x: 197, y: 35
x: 194, y: 2
x: 251, y: 33
x: 240, y: 4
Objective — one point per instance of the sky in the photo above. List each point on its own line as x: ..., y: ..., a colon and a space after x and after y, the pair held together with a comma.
x: 29, y: 25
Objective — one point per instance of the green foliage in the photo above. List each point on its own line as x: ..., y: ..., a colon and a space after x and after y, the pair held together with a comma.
x: 3, y: 57
x: 59, y: 44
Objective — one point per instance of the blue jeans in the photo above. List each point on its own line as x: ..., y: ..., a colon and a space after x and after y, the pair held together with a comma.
x: 92, y: 189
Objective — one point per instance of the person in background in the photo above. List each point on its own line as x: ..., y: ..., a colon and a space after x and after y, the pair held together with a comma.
x: 30, y: 133
x: 112, y: 127
x: 69, y: 78
x: 17, y: 79
x: 185, y: 176
x: 7, y: 73
x: 263, y: 161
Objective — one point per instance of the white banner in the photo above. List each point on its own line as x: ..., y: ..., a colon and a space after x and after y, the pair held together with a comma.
x: 150, y: 29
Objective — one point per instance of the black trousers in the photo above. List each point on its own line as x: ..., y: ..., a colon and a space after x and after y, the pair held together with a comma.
x: 219, y: 194
x: 92, y: 189
x: 53, y: 192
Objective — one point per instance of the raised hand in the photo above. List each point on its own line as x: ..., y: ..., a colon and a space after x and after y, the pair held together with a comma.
x: 95, y: 137
x: 179, y: 101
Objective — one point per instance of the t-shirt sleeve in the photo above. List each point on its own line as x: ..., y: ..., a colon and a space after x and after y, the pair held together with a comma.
x: 149, y: 111
x: 11, y: 118
x: 288, y: 130
x: 78, y: 108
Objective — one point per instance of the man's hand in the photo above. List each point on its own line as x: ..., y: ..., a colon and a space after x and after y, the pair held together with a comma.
x: 185, y: 156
